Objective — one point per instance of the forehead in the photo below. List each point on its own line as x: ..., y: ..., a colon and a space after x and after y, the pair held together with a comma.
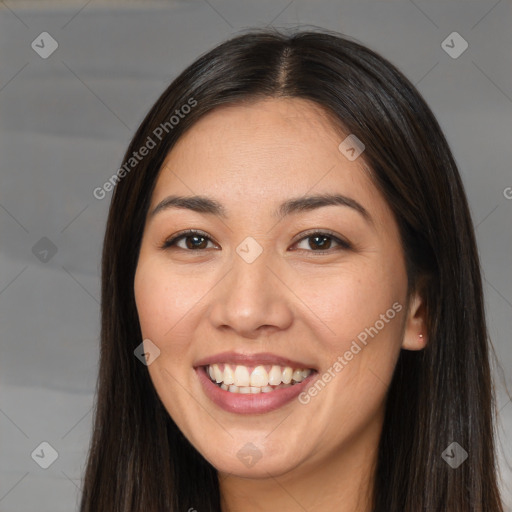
x: 287, y: 127
x: 263, y: 152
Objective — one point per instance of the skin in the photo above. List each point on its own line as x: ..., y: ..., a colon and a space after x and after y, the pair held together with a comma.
x: 292, y: 301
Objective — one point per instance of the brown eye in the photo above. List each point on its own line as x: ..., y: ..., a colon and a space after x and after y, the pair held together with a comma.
x: 317, y: 241
x: 320, y: 241
x: 194, y: 240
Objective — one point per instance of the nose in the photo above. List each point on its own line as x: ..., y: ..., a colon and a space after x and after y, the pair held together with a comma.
x: 252, y: 300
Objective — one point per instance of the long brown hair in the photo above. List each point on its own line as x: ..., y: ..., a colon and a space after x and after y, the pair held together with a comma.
x: 138, y: 459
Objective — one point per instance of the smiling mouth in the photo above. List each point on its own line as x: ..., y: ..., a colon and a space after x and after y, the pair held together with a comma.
x: 255, y: 379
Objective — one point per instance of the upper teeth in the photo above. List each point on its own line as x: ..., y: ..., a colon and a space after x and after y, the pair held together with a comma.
x: 242, y: 376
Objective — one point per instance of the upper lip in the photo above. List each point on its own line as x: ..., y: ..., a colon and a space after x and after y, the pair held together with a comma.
x: 261, y: 358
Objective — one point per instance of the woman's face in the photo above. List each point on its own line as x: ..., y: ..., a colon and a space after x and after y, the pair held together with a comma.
x: 268, y: 296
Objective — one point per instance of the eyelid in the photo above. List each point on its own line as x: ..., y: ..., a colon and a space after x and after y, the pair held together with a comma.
x: 343, y: 243
x: 169, y: 242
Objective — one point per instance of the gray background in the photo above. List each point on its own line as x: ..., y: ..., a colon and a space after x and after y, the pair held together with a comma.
x: 65, y: 122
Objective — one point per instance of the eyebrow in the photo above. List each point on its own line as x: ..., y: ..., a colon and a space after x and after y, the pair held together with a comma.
x: 210, y: 206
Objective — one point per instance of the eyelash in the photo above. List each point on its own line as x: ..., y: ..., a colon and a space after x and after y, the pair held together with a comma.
x: 190, y: 232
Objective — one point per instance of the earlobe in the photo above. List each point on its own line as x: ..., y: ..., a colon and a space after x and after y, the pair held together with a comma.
x: 415, y: 331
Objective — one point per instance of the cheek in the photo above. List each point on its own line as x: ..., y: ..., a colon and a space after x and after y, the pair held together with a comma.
x: 162, y: 305
x: 163, y: 299
x: 151, y: 298
x: 363, y: 307
x: 349, y: 300
x: 169, y: 305
x: 364, y: 310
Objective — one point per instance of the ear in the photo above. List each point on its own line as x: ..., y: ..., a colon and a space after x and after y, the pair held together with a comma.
x: 415, y: 330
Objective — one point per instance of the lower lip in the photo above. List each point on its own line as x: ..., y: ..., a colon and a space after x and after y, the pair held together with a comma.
x: 257, y: 403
